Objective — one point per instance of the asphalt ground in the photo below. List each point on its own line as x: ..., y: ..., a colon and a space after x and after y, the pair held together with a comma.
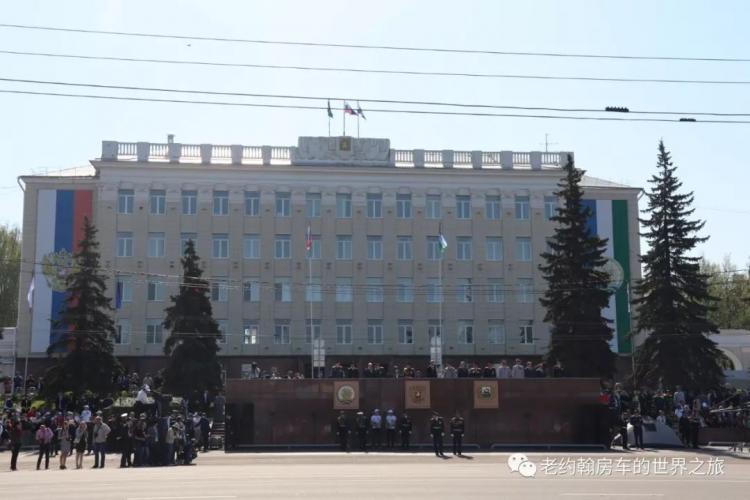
x: 672, y: 474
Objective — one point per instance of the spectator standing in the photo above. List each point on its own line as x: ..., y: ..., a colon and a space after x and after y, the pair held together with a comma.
x: 503, y: 371
x: 80, y: 443
x: 101, y: 432
x: 44, y: 439
x: 205, y: 427
x: 66, y: 440
x: 517, y: 371
x: 15, y: 434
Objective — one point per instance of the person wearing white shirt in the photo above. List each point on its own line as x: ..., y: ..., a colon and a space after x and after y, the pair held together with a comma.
x: 376, y: 423
x: 390, y: 429
x: 86, y: 414
x: 142, y: 396
x: 517, y: 371
x: 503, y: 371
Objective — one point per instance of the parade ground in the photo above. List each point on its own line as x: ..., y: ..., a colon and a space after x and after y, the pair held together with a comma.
x: 678, y: 474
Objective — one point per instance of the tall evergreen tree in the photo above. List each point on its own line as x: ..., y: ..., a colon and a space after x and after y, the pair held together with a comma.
x: 85, y: 329
x: 577, y: 287
x: 673, y: 301
x: 10, y: 267
x: 192, y: 347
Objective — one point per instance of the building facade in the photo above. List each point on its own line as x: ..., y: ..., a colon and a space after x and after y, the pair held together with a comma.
x: 376, y: 283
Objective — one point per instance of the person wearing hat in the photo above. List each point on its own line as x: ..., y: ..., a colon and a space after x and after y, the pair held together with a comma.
x: 342, y: 430
x: 437, y: 429
x: 361, y: 422
x: 457, y: 431
x: 376, y: 425
x: 390, y: 429
x: 404, y: 427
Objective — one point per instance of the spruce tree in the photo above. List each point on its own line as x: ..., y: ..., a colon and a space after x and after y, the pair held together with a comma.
x: 673, y: 301
x: 192, y: 344
x: 85, y: 329
x: 577, y: 287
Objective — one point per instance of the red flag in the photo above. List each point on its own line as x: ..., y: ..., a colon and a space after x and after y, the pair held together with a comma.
x: 348, y: 109
x: 308, y: 239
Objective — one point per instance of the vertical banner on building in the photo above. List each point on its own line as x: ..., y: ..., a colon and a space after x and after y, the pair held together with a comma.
x: 59, y: 230
x: 609, y: 219
x: 485, y: 394
x: 346, y: 395
x: 417, y: 394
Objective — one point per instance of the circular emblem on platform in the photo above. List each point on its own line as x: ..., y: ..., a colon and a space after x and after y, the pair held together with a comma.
x: 485, y: 392
x: 615, y: 272
x: 346, y: 394
x: 56, y: 266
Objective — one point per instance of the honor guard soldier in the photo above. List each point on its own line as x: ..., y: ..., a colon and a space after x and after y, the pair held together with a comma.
x: 361, y: 422
x: 376, y: 426
x: 404, y: 427
x: 457, y: 431
x: 437, y: 429
x: 390, y: 429
x: 342, y: 429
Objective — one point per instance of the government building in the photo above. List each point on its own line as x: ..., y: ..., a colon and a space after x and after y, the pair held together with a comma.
x: 338, y: 249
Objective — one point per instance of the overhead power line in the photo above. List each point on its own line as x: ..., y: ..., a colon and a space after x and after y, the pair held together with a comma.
x: 377, y: 71
x: 376, y: 110
x: 360, y: 99
x: 441, y: 50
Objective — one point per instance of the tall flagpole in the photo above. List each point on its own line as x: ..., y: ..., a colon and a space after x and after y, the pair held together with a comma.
x: 309, y: 286
x: 343, y: 110
x: 440, y: 305
x: 357, y: 126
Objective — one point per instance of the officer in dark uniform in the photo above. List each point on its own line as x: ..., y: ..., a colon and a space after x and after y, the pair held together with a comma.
x: 362, y: 423
x: 636, y: 420
x: 404, y: 427
x: 437, y: 429
x: 624, y: 418
x: 342, y: 429
x: 457, y: 431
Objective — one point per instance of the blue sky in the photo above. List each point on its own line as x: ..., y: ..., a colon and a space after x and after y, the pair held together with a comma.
x: 53, y: 133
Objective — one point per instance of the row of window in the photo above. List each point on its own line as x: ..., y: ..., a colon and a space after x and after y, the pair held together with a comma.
x: 282, y: 248
x: 465, y: 290
x: 283, y: 205
x: 344, y: 333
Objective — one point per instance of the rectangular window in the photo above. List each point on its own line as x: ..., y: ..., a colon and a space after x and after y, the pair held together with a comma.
x: 374, y: 206
x: 463, y: 248
x: 374, y: 248
x: 492, y: 208
x: 495, y: 292
x: 156, y: 245
x: 157, y: 202
x: 281, y: 332
x: 405, y: 290
x: 283, y: 204
x: 223, y: 330
x: 522, y: 207
x: 312, y: 330
x: 124, y: 289
x: 313, y: 290
x: 434, y: 252
x: 343, y: 332
x: 250, y: 333
x: 494, y: 248
x: 525, y: 291
x: 465, y: 332
x: 251, y: 246
x: 312, y: 204
x: 184, y: 238
x: 251, y: 291
x: 314, y: 252
x: 221, y: 202
x: 219, y: 290
x: 252, y: 203
x: 404, y: 251
x: 434, y: 291
x: 122, y: 332
x: 374, y: 331
x: 523, y: 249
x: 344, y: 247
x: 550, y: 207
x: 463, y: 207
x: 282, y: 290
x: 433, y: 207
x: 220, y: 246
x: 189, y: 202
x: 344, y: 206
x: 155, y: 291
x: 375, y: 290
x: 124, y: 244
x: 405, y: 332
x: 526, y: 331
x: 496, y: 332
x: 343, y: 289
x: 282, y: 248
x: 403, y: 206
x: 434, y: 331
x: 125, y: 201
x: 154, y: 331
x: 463, y: 290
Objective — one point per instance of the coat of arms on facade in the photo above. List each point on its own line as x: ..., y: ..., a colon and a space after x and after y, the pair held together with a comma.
x: 485, y: 392
x: 56, y: 266
x: 346, y: 394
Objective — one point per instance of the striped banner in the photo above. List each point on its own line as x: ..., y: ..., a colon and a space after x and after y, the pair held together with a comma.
x: 60, y: 215
x: 609, y: 219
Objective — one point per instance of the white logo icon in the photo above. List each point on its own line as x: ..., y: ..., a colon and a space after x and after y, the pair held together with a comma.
x: 518, y: 462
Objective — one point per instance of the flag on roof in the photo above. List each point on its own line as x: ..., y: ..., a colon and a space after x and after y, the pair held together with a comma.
x: 348, y: 109
x: 360, y: 112
x: 442, y: 240
x: 330, y: 113
x: 308, y: 239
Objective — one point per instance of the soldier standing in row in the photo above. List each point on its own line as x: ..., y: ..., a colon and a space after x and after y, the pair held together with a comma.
x: 342, y: 429
x: 390, y: 429
x: 457, y: 431
x: 405, y: 429
x: 376, y: 425
x: 437, y: 429
x: 361, y: 423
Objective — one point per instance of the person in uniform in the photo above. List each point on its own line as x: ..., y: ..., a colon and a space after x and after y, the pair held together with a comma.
x: 437, y: 429
x: 404, y: 427
x: 636, y: 420
x: 376, y: 427
x: 361, y: 423
x: 342, y: 429
x: 390, y: 429
x: 457, y: 431
x: 624, y: 418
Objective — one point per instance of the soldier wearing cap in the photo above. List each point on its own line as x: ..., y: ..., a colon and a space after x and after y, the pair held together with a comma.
x: 342, y: 430
x: 390, y: 429
x: 361, y: 422
x: 404, y: 427
x: 457, y: 431
x: 437, y: 429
